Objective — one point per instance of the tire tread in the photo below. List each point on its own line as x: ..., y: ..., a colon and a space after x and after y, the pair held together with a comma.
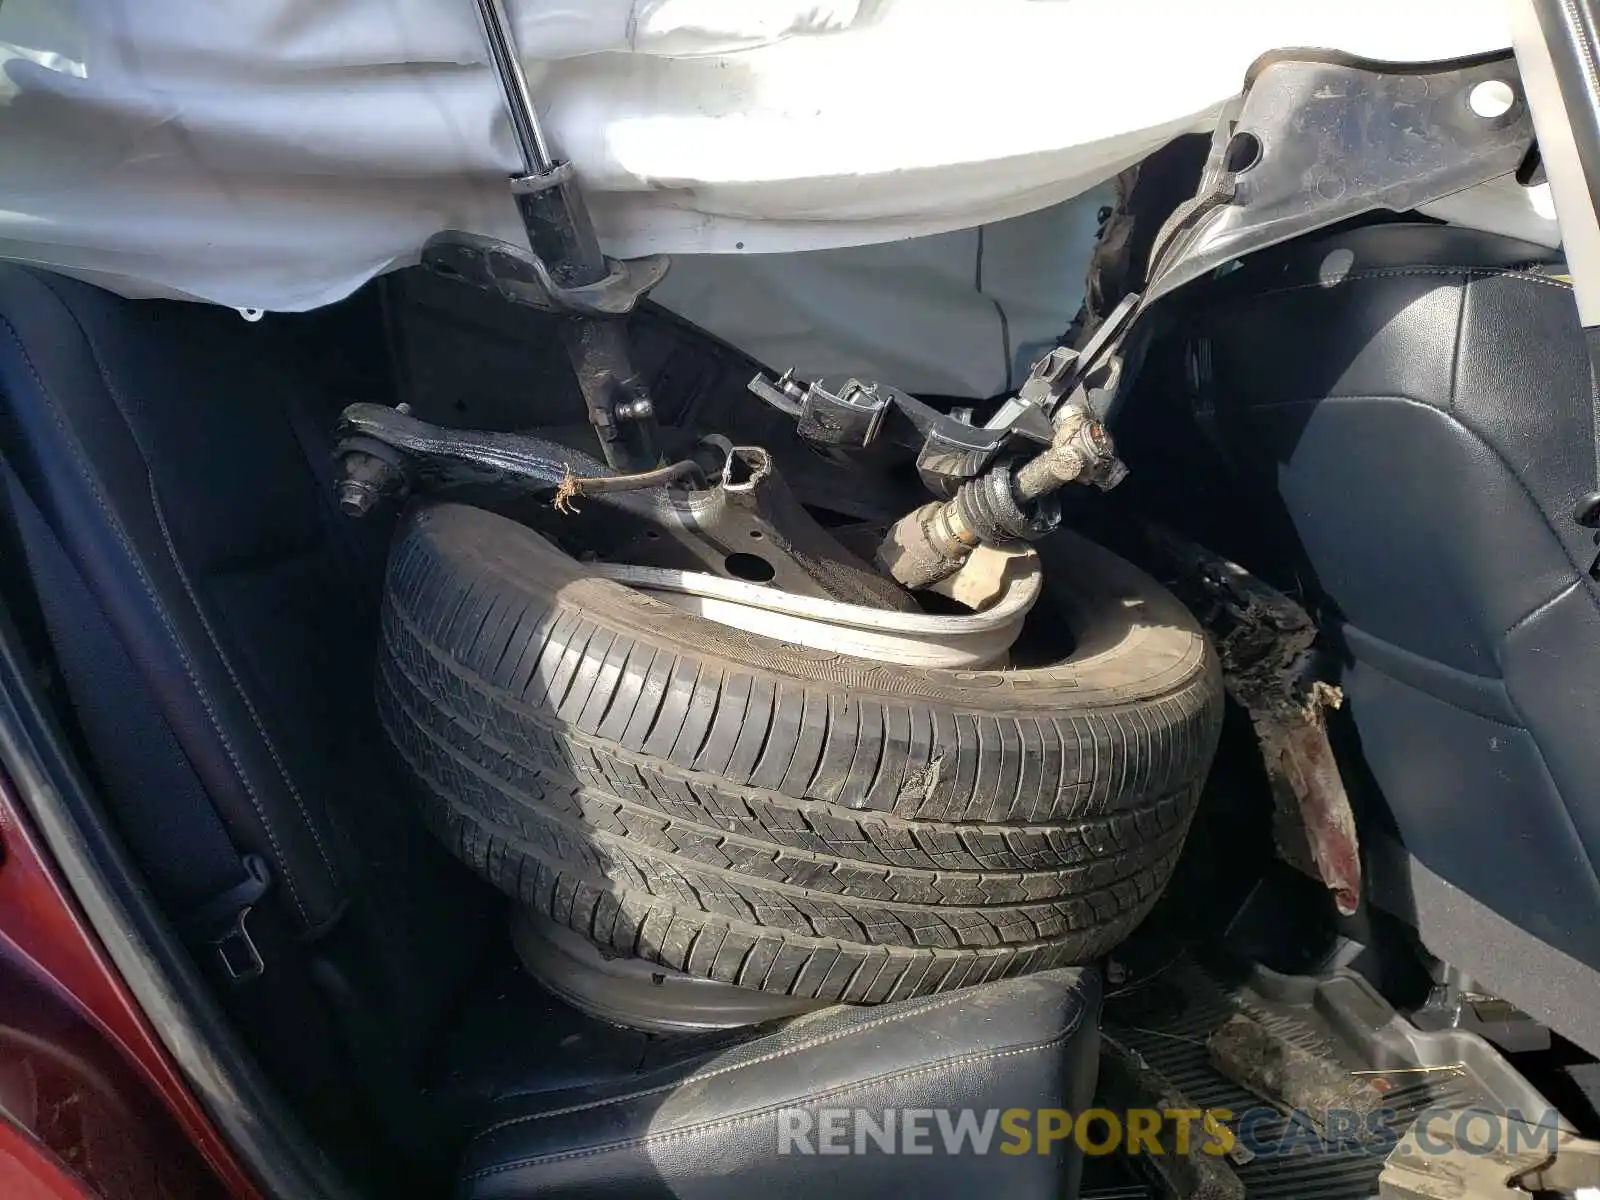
x: 759, y: 825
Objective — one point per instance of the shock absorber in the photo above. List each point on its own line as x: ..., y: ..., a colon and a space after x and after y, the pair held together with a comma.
x: 566, y: 273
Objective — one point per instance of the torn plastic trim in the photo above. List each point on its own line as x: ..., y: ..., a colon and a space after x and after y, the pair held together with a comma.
x: 1319, y: 137
x: 1316, y: 138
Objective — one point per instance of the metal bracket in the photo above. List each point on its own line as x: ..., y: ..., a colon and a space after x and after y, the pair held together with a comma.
x: 433, y: 458
x: 750, y: 526
x: 848, y: 419
x: 1087, y: 379
x: 564, y: 271
x: 745, y: 525
x: 950, y: 449
x: 1318, y: 138
x: 516, y: 274
x: 855, y: 415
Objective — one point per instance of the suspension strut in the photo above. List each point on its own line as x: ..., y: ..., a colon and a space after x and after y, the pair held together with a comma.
x: 566, y: 271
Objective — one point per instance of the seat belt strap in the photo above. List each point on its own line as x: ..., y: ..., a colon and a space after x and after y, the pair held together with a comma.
x: 214, y: 923
x: 1587, y: 510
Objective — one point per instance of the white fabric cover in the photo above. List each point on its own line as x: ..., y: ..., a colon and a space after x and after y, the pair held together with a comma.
x: 278, y: 153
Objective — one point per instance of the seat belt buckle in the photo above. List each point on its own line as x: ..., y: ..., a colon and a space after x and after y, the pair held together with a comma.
x: 1587, y: 514
x: 237, y: 951
x: 1587, y: 511
x: 223, y: 922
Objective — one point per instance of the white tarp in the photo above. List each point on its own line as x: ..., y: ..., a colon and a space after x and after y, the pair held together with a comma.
x: 277, y: 153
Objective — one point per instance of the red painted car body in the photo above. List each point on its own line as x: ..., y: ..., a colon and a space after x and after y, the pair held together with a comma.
x: 91, y: 1103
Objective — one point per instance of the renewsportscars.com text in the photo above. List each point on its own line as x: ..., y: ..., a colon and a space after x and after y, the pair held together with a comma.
x: 1251, y: 1133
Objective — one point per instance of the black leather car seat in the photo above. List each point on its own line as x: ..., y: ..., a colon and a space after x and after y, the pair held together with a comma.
x: 1409, y: 413
x: 780, y: 1113
x: 211, y: 617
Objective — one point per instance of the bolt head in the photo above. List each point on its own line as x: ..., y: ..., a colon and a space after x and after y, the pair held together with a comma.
x: 356, y: 499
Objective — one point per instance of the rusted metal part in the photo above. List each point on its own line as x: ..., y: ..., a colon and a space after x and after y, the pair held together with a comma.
x: 1007, y: 506
x: 1181, y: 1171
x: 572, y: 487
x: 1081, y: 452
x: 1267, y: 646
x: 986, y: 577
x: 1300, y: 760
x: 932, y: 542
x: 926, y: 546
x: 1468, y: 1155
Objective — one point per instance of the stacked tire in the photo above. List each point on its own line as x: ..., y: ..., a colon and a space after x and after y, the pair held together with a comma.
x: 783, y: 818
